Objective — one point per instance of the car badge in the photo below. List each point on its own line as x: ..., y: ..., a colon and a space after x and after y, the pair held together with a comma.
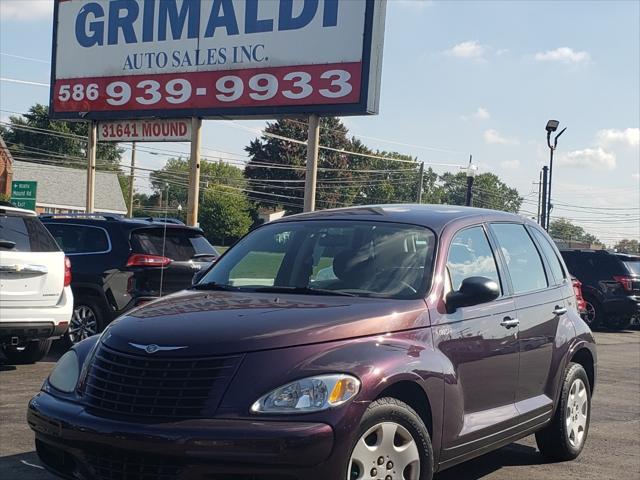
x: 153, y: 348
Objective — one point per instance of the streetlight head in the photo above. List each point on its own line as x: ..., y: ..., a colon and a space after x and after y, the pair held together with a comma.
x: 552, y: 125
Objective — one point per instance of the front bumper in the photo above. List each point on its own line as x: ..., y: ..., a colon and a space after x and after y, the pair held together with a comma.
x: 75, y: 444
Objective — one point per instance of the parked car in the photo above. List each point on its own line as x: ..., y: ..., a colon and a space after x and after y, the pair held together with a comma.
x: 412, y: 355
x: 610, y: 285
x: 36, y: 301
x: 119, y: 263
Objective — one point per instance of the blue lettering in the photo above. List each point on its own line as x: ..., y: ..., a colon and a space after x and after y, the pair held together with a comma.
x: 169, y: 10
x: 147, y: 21
x: 175, y: 56
x: 286, y: 20
x: 186, y: 61
x: 96, y: 28
x: 127, y: 64
x: 222, y: 53
x: 227, y: 19
x: 251, y: 22
x: 256, y: 57
x: 161, y: 59
x: 125, y: 23
x: 330, y: 16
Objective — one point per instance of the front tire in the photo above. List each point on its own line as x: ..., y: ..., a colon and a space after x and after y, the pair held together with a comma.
x: 564, y: 438
x: 33, y: 352
x: 593, y: 314
x: 392, y: 441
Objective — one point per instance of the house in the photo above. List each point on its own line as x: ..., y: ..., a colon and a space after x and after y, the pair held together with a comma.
x: 64, y: 190
x: 270, y: 214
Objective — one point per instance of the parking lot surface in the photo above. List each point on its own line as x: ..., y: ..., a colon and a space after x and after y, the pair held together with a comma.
x: 612, y: 451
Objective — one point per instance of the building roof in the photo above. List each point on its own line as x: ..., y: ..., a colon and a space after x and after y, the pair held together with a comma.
x: 63, y: 187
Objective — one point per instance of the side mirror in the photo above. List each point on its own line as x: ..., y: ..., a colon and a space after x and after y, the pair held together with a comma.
x: 473, y: 291
x: 198, y: 276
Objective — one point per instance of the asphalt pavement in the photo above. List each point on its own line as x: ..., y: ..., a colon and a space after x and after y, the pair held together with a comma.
x: 612, y: 450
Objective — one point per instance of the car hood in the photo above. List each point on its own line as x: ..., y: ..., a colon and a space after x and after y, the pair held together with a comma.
x: 221, y: 323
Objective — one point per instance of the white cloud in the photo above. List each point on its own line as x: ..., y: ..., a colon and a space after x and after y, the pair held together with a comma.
x: 494, y: 137
x: 596, y: 157
x: 414, y: 4
x: 471, y: 49
x: 26, y: 10
x: 510, y: 164
x: 502, y: 51
x: 636, y: 176
x: 564, y: 55
x: 628, y: 136
x: 480, y: 114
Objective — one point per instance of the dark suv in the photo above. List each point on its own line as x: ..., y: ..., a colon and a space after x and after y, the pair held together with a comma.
x: 610, y: 285
x: 364, y: 343
x: 118, y: 264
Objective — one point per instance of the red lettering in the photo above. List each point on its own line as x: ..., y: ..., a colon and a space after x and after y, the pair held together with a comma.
x: 146, y: 129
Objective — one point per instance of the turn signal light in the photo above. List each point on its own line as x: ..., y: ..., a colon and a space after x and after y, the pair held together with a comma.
x: 142, y: 260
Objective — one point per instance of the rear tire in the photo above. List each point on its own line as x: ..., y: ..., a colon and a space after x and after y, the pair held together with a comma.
x: 32, y: 352
x: 618, y: 323
x: 88, y: 319
x: 593, y: 314
x: 564, y: 438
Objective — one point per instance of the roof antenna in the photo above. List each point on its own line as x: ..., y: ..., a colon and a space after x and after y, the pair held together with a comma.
x: 164, y: 235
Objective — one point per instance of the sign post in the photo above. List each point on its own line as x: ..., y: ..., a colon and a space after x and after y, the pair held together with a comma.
x: 91, y: 167
x: 23, y: 194
x: 132, y: 179
x: 194, y: 173
x: 313, y: 143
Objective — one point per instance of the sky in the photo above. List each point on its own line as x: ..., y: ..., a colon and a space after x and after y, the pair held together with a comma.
x: 459, y: 78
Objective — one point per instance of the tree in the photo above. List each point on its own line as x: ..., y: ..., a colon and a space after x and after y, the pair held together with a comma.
x: 563, y: 229
x: 488, y: 192
x: 225, y: 215
x: 627, y: 245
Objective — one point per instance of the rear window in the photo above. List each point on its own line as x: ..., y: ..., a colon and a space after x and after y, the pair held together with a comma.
x: 24, y: 234
x: 180, y: 244
x: 79, y: 239
x: 633, y: 266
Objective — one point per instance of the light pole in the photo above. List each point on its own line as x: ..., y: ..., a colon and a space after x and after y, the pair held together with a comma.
x: 471, y: 174
x: 552, y: 126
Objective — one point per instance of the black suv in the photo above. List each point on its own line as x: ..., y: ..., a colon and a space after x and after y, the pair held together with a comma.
x: 610, y: 285
x: 119, y: 263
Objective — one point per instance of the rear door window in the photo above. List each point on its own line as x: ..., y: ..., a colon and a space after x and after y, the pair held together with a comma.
x: 179, y: 245
x: 470, y: 255
x: 79, y: 239
x: 521, y: 256
x: 24, y: 234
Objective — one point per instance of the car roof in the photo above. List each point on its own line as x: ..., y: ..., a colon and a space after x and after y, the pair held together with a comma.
x: 103, y: 220
x: 17, y: 211
x: 435, y: 217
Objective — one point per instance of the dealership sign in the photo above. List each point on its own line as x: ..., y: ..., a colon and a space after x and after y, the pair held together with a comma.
x: 205, y: 58
x: 152, y: 130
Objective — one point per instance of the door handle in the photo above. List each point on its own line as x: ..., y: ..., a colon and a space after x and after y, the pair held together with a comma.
x: 509, y: 322
x: 559, y: 310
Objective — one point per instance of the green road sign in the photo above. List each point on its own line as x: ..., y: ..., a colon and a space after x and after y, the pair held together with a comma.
x: 23, y: 194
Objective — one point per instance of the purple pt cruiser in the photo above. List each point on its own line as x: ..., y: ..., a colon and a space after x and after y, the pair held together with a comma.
x: 381, y: 342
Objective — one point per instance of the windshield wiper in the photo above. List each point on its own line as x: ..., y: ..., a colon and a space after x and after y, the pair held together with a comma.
x: 215, y: 286
x: 303, y: 291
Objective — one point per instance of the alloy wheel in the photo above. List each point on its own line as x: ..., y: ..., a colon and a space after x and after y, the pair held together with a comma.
x: 577, y: 414
x: 590, y: 315
x: 387, y: 450
x: 83, y: 324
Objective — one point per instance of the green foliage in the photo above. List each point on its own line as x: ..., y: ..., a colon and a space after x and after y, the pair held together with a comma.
x: 563, y: 229
x: 488, y: 192
x: 62, y: 150
x: 225, y: 215
x: 627, y: 245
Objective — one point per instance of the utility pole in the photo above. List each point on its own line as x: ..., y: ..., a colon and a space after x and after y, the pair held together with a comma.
x: 543, y: 204
x: 91, y: 166
x: 131, y: 179
x: 194, y: 173
x: 313, y: 143
x: 420, y: 183
x: 539, y: 197
x: 471, y: 173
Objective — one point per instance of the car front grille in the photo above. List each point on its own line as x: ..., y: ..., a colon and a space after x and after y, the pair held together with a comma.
x: 112, y: 465
x: 148, y: 386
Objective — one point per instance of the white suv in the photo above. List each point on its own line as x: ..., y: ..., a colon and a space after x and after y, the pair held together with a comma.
x: 36, y: 302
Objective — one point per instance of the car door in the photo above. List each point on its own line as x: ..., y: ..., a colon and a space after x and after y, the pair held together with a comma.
x: 480, y: 342
x: 541, y: 306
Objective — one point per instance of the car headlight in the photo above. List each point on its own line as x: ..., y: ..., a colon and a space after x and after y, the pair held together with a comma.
x: 309, y: 395
x: 65, y: 374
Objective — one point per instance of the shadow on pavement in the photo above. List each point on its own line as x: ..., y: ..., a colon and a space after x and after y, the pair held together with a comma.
x: 513, y: 455
x: 24, y: 465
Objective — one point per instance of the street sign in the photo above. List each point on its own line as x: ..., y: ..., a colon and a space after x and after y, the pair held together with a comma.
x: 156, y: 130
x: 23, y: 194
x: 207, y: 58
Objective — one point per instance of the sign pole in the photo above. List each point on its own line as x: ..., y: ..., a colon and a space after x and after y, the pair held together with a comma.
x: 91, y: 167
x: 131, y: 179
x: 313, y: 142
x: 420, y: 183
x: 194, y: 173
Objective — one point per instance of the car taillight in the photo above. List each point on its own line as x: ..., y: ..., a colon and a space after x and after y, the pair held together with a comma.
x: 577, y: 290
x: 625, y: 281
x: 143, y: 260
x: 67, y: 271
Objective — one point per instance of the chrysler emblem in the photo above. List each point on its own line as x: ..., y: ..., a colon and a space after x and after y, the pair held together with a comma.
x: 153, y: 348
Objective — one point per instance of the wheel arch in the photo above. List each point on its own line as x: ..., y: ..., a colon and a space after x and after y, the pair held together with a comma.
x: 584, y: 357
x: 413, y: 395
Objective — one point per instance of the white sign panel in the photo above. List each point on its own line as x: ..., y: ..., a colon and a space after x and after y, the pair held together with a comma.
x: 156, y: 130
x: 240, y: 58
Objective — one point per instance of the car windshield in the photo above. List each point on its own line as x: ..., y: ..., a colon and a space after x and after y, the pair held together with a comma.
x: 369, y: 259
